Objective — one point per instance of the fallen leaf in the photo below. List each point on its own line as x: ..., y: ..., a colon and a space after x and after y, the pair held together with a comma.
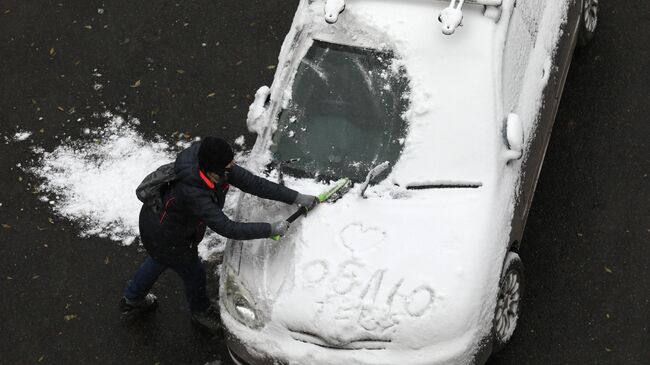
x: 6, y: 226
x: 35, y: 277
x: 270, y: 67
x: 7, y: 11
x: 136, y: 84
x: 609, y: 271
x: 69, y: 317
x: 608, y: 349
x: 9, y: 278
x: 88, y: 27
x: 107, y: 260
x: 180, y: 71
x: 239, y: 63
x: 60, y: 108
x: 211, y: 95
x: 52, y: 52
x: 41, y: 358
x: 42, y: 130
x: 50, y: 220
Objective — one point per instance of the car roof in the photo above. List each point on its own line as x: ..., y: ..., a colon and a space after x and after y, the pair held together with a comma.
x: 453, y: 133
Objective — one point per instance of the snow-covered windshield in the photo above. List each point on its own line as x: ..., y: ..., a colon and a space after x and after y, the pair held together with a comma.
x: 345, y: 115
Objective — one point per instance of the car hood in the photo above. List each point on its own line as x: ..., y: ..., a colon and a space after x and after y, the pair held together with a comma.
x: 399, y: 268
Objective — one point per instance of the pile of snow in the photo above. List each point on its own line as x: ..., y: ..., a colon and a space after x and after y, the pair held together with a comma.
x: 92, y: 181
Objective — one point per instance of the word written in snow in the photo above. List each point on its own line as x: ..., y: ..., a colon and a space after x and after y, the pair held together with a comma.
x: 376, y: 306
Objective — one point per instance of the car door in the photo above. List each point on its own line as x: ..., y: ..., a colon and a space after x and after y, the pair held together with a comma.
x: 543, y: 125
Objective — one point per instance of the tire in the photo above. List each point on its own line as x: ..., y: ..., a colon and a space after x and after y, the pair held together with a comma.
x: 588, y: 22
x: 511, y: 290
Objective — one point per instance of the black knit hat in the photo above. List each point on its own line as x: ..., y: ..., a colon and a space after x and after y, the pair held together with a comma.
x: 214, y: 155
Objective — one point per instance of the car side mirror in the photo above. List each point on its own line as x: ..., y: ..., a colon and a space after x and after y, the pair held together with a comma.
x: 256, y: 110
x: 514, y: 138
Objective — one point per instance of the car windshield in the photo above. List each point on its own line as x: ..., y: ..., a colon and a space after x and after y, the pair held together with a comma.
x: 345, y: 115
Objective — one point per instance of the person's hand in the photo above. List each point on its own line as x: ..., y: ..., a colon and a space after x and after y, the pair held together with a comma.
x: 307, y: 201
x: 279, y: 228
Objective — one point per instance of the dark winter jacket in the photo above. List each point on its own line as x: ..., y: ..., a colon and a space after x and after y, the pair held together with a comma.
x: 193, y: 201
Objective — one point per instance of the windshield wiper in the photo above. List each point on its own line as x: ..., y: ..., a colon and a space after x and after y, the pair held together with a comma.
x: 373, y: 174
x: 445, y: 185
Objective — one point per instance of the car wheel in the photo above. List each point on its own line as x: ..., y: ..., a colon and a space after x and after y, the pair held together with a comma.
x: 511, y: 288
x: 588, y: 22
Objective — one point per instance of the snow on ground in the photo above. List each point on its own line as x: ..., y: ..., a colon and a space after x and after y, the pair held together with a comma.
x: 92, y: 180
x: 22, y: 135
x: 240, y: 141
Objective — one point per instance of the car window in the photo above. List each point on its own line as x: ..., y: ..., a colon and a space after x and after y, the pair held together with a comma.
x: 345, y: 115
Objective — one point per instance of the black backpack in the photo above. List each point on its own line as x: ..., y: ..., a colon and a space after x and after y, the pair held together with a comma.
x: 150, y: 191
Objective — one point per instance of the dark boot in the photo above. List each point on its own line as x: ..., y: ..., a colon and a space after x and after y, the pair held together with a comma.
x: 129, y: 307
x: 208, y: 320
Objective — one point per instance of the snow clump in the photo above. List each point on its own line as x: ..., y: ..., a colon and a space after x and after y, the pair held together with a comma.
x: 240, y: 141
x: 22, y: 135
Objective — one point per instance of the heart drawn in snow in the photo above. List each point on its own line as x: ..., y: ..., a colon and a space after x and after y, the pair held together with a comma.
x: 357, y: 237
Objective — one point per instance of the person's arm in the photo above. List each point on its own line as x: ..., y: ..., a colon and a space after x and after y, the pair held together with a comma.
x: 252, y: 184
x: 207, y: 210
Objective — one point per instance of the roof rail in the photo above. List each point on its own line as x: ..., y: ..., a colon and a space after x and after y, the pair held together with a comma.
x: 451, y: 17
x: 332, y: 10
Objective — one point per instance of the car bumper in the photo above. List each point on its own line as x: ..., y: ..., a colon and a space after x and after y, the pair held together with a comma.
x: 274, y: 345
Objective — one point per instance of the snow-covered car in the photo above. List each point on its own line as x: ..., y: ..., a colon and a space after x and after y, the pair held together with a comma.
x: 421, y: 268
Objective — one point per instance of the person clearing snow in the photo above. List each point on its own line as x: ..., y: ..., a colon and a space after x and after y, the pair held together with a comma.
x: 192, y: 199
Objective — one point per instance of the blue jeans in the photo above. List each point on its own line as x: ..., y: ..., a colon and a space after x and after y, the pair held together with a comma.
x: 192, y: 274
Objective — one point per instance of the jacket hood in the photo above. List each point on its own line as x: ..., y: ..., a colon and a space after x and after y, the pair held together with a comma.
x: 186, y: 166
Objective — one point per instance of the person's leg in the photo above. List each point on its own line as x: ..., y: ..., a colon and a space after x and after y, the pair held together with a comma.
x: 194, y: 278
x: 143, y: 280
x: 204, y: 314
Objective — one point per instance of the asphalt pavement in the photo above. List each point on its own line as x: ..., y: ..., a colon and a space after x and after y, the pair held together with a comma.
x: 192, y: 67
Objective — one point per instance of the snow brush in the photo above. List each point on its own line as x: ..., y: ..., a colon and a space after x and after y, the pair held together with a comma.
x: 332, y: 194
